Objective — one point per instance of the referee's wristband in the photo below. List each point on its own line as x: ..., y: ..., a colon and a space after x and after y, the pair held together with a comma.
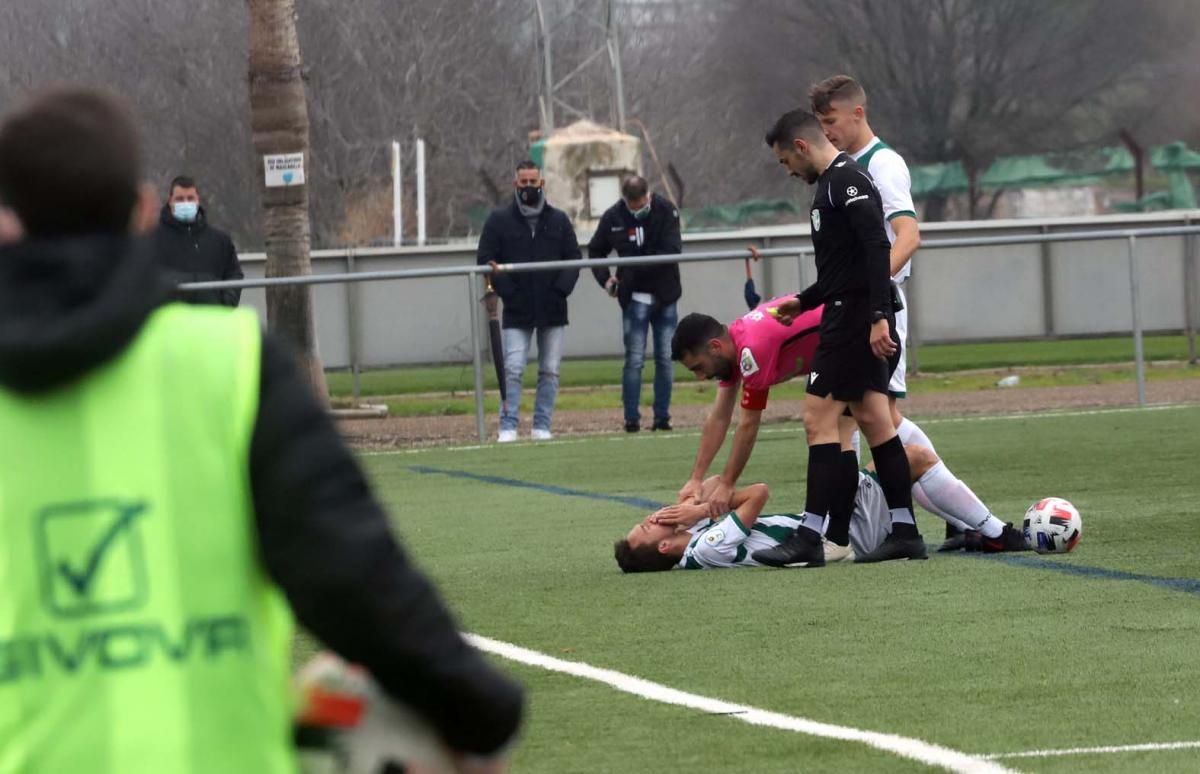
x: 877, y: 316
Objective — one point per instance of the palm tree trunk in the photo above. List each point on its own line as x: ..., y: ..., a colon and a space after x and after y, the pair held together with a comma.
x: 279, y: 120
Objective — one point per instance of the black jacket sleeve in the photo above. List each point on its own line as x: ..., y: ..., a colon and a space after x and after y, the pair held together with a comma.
x: 810, y: 297
x: 670, y: 241
x: 568, y: 251
x: 599, y: 247
x: 864, y: 212
x: 327, y: 543
x: 232, y: 271
x: 491, y: 249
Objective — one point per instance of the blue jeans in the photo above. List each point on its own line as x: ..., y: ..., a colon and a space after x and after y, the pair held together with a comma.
x: 637, y: 318
x: 516, y: 351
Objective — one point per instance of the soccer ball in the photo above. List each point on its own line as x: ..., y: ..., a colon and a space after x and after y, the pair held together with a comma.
x: 1052, y: 526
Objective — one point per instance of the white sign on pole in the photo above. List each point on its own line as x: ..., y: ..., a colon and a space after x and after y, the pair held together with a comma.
x: 284, y: 169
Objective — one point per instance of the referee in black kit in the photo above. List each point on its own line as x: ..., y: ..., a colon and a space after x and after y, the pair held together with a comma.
x: 850, y: 367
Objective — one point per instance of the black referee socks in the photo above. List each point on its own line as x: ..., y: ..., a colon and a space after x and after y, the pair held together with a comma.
x: 895, y: 478
x: 822, y: 478
x: 845, y: 493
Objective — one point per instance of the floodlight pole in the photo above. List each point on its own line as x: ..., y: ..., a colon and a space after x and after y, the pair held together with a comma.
x: 546, y: 98
x: 600, y: 15
x: 614, y: 60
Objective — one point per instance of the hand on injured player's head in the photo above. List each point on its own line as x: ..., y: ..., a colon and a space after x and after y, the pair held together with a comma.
x: 689, y: 492
x: 649, y: 531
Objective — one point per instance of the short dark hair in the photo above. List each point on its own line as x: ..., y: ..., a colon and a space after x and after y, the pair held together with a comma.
x: 181, y: 181
x: 527, y: 164
x: 793, y: 124
x: 70, y: 163
x: 693, y: 332
x: 643, y: 558
x: 838, y: 87
x: 634, y: 187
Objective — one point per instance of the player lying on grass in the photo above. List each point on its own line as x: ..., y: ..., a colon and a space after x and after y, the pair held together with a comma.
x: 759, y: 350
x: 683, y: 535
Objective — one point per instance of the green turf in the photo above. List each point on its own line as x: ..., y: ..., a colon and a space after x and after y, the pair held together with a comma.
x: 974, y: 654
x: 933, y: 358
x: 692, y: 393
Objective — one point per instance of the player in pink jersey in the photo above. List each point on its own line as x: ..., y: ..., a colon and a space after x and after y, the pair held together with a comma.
x: 757, y: 352
x: 769, y: 353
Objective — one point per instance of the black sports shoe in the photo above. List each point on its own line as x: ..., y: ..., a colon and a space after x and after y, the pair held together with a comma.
x: 894, y: 547
x: 632, y: 427
x: 661, y: 424
x: 1011, y: 539
x: 956, y: 540
x: 802, y: 548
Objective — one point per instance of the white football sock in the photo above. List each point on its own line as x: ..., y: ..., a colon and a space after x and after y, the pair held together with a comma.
x: 951, y: 497
x: 922, y: 500
x: 909, y: 432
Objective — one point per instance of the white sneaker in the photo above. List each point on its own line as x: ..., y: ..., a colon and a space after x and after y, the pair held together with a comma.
x: 836, y: 553
x: 541, y: 435
x: 506, y: 436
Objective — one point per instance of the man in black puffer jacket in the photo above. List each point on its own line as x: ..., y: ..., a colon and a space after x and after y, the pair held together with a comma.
x: 525, y: 231
x: 642, y: 223
x: 190, y: 250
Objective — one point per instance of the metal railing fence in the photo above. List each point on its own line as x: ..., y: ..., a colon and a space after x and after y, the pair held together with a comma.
x: 471, y: 273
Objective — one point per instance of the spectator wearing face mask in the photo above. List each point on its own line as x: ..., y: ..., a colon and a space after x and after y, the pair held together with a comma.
x: 190, y: 250
x: 535, y: 302
x: 642, y: 223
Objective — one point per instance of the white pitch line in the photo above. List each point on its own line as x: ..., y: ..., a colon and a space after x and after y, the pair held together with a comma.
x: 794, y: 428
x: 915, y: 749
x: 1150, y: 747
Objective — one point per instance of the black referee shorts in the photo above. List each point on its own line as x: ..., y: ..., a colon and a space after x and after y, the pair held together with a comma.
x: 844, y: 366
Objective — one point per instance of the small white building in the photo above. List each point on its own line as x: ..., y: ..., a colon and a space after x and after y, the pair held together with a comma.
x: 583, y: 165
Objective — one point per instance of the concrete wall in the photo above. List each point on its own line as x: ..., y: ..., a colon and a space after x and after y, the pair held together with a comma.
x: 956, y: 294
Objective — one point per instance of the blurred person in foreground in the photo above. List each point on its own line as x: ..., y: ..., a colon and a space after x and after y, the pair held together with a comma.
x: 169, y: 488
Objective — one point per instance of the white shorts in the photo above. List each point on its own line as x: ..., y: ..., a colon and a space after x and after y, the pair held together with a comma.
x: 871, y: 521
x: 898, y: 386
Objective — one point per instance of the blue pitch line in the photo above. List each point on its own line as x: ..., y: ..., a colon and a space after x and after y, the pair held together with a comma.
x: 636, y: 502
x: 1186, y: 585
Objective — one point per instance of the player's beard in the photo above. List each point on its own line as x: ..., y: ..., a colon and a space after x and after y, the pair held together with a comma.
x: 811, y: 174
x: 724, y: 369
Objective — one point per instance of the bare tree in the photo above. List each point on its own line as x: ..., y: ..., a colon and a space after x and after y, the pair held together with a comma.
x: 279, y: 118
x: 970, y: 80
x: 949, y: 80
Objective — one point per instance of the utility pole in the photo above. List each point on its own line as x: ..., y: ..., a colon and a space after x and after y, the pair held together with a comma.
x: 595, y: 41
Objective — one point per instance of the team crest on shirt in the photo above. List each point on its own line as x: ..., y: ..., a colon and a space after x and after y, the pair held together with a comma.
x: 714, y: 536
x: 747, y: 362
x: 816, y: 220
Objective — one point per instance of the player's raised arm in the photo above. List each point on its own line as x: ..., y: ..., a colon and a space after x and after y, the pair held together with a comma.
x: 748, y: 502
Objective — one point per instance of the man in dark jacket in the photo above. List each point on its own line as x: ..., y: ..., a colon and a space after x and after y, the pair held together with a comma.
x: 97, y: 377
x: 530, y: 230
x: 642, y: 223
x: 190, y: 250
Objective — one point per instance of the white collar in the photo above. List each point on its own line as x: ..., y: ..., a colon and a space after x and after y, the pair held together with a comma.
x: 863, y: 150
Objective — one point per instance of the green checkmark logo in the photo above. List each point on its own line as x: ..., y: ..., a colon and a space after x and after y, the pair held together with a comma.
x: 91, y: 556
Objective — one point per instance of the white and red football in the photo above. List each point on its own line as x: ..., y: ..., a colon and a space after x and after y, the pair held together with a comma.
x: 1052, y: 526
